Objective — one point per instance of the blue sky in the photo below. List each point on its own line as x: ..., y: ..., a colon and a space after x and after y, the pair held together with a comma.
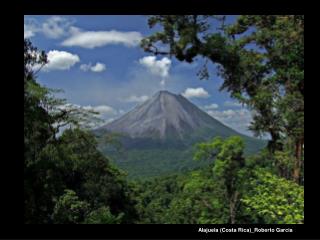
x: 98, y: 63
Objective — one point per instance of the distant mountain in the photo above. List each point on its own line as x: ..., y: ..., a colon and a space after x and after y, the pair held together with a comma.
x: 164, y: 116
x: 165, y: 127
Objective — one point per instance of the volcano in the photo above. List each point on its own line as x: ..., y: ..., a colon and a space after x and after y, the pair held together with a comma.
x: 158, y: 135
x: 166, y: 116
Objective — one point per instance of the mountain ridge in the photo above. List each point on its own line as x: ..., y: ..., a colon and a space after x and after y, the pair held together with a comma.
x: 166, y: 115
x: 158, y: 136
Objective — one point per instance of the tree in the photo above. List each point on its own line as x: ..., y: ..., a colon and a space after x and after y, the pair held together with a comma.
x: 201, y: 201
x: 282, y: 40
x: 69, y: 209
x: 70, y: 160
x: 228, y: 167
x: 88, y: 172
x: 270, y: 199
x: 261, y: 59
x: 73, y: 162
x: 38, y: 131
x: 44, y: 114
x: 190, y: 198
x: 154, y: 196
x: 103, y: 216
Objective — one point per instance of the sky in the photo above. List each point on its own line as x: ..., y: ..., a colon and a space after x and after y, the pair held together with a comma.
x: 97, y: 62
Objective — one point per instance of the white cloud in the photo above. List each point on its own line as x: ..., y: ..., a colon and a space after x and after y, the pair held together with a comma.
x: 211, y: 106
x: 98, y: 67
x: 29, y: 30
x: 56, y: 27
x: 163, y: 82
x: 102, y: 109
x: 60, y: 60
x: 134, y: 98
x: 31, y: 27
x: 28, y: 34
x: 85, y: 67
x: 157, y: 67
x: 195, y: 93
x: 108, y: 121
x: 53, y: 27
x: 93, y: 39
x: 237, y: 119
x: 105, y: 113
x: 232, y: 104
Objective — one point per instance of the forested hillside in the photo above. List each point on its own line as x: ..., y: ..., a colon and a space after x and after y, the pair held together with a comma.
x: 67, y: 179
x: 232, y: 190
x: 158, y: 136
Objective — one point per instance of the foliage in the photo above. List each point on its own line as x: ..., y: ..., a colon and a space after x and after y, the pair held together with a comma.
x: 69, y: 209
x: 145, y: 158
x: 261, y: 60
x: 103, y: 216
x: 184, y: 198
x: 231, y: 189
x: 271, y: 199
x: 200, y: 202
x: 227, y: 169
x: 143, y: 164
x: 55, y: 162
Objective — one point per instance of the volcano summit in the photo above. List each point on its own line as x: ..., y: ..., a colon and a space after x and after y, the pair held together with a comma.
x: 167, y: 115
x: 162, y: 131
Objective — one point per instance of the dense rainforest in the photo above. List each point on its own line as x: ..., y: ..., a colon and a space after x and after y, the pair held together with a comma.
x: 68, y: 180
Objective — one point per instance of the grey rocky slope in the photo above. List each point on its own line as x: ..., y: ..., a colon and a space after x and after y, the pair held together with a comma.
x: 167, y: 115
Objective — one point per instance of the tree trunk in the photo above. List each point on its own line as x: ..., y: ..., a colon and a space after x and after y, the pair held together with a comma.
x: 302, y: 162
x: 298, y: 161
x: 233, y: 207
x: 273, y: 144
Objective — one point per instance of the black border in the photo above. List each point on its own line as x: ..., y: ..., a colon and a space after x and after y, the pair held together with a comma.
x: 142, y: 7
x: 155, y: 231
